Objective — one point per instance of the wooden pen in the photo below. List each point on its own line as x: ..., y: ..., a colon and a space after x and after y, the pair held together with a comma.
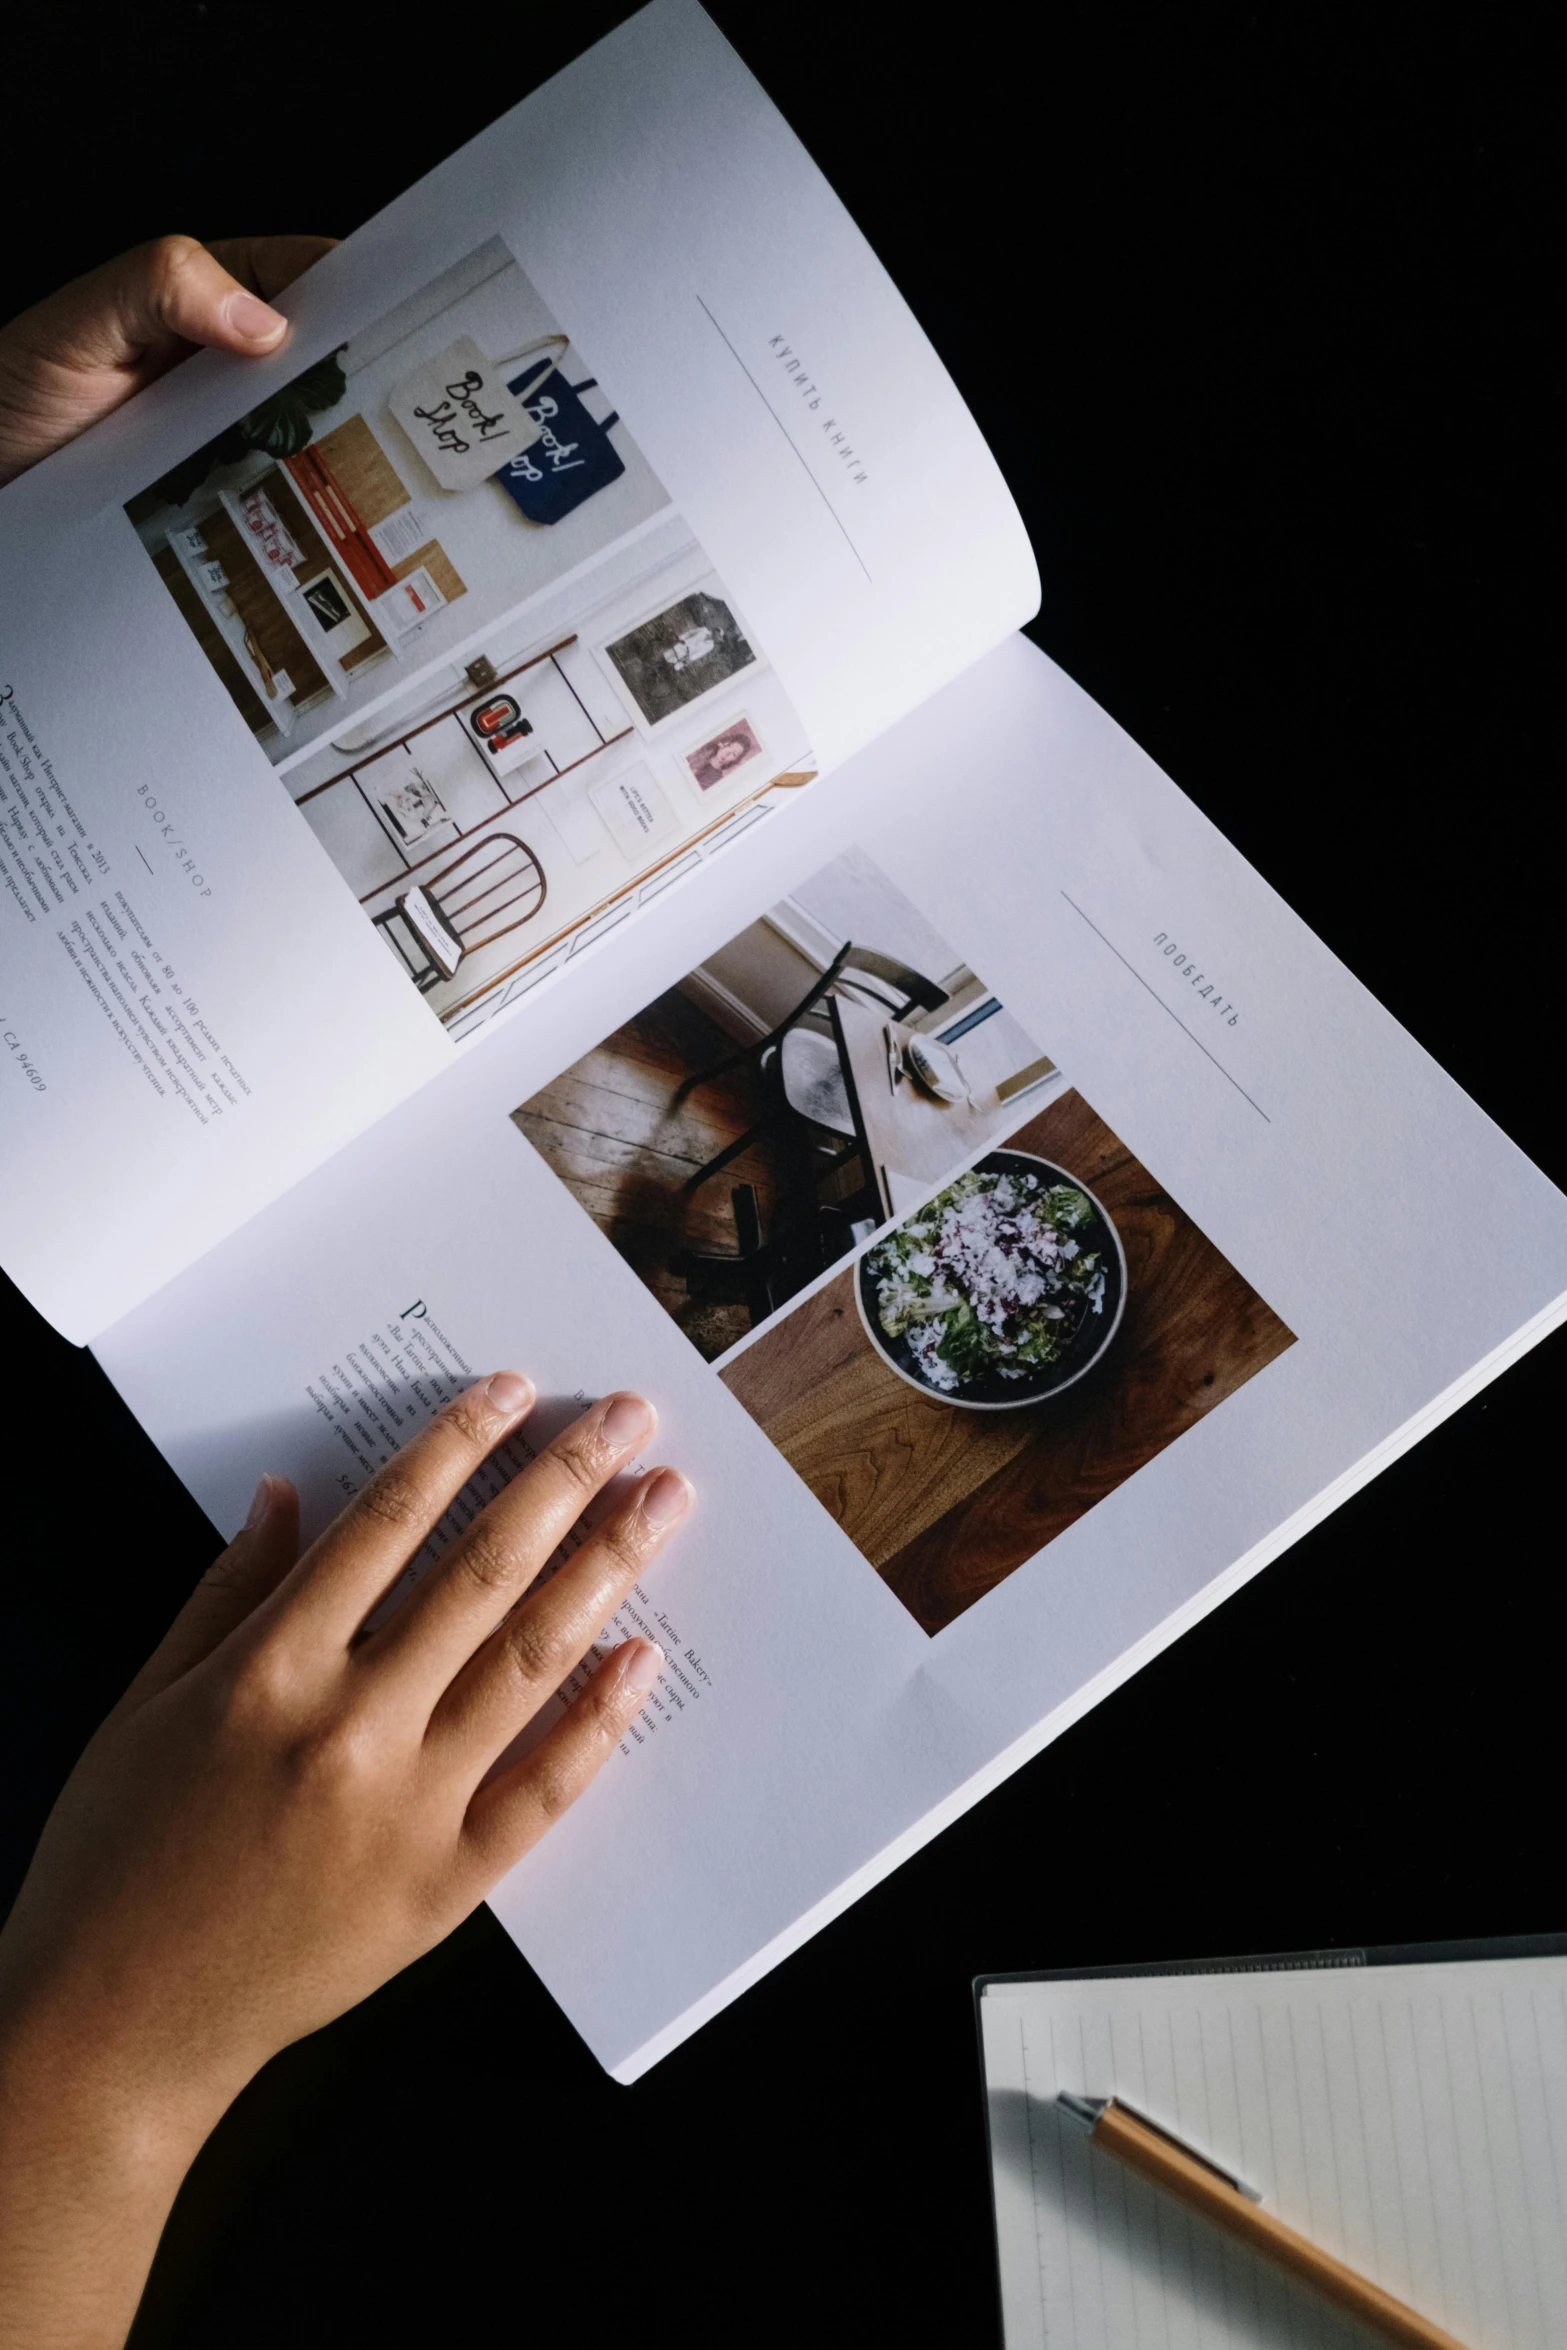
x: 1141, y: 2144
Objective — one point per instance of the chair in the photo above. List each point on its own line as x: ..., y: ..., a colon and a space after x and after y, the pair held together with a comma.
x: 764, y: 1272
x: 798, y: 1061
x: 492, y: 887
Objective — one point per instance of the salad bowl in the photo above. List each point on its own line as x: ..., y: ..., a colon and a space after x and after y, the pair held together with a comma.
x: 1000, y: 1292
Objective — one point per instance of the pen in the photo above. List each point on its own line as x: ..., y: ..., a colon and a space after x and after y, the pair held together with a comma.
x: 1232, y: 2205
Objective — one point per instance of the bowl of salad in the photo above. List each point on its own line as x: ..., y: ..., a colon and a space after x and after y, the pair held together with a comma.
x: 1002, y: 1290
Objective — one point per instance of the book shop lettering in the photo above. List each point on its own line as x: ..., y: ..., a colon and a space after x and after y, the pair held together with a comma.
x: 560, y: 456
x: 1187, y: 966
x: 168, y: 832
x: 461, y: 404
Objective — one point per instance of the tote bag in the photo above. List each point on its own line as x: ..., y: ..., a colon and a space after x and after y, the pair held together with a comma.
x: 572, y: 455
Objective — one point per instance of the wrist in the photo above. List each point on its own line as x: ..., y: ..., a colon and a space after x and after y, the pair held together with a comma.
x: 88, y: 2173
x: 70, y: 2096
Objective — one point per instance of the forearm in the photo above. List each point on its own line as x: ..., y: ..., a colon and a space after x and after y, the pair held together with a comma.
x: 87, y: 2179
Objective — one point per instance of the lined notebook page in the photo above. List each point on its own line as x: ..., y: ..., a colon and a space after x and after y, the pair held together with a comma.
x: 1410, y: 2119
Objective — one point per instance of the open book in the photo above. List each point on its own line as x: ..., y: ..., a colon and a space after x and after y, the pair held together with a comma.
x: 527, y: 834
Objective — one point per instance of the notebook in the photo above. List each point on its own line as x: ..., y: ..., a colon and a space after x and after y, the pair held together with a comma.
x: 1405, y: 2109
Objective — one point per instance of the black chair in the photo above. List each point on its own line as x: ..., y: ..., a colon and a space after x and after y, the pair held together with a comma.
x: 764, y: 1271
x: 489, y: 888
x: 797, y: 1064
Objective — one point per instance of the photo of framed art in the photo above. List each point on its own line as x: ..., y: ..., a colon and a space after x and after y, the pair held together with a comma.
x: 413, y: 809
x: 337, y: 617
x: 407, y: 605
x: 677, y: 656
x: 716, y: 760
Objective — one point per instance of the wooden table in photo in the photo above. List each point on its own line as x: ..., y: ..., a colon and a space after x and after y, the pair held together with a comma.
x: 945, y: 1503
x: 904, y: 1131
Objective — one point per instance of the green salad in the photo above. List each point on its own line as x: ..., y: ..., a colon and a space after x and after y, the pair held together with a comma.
x: 993, y: 1277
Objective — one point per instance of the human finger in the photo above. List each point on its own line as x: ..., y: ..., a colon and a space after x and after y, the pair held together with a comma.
x: 526, y: 1658
x: 267, y: 264
x: 133, y: 315
x: 235, y: 1584
x: 483, y: 1574
x: 74, y: 357
x: 509, y: 1814
x: 353, y: 1565
x: 176, y: 291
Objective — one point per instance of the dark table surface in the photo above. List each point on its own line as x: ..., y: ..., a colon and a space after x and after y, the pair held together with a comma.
x: 1252, y: 306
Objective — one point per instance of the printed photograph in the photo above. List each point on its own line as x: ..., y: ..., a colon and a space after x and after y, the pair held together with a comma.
x: 713, y: 762
x: 450, y: 460
x: 445, y: 591
x: 805, y: 1085
x: 677, y: 657
x: 1015, y: 1348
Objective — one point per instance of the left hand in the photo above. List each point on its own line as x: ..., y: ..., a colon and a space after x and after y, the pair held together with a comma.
x: 71, y: 359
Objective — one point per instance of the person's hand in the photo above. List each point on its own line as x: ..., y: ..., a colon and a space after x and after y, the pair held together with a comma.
x: 284, y: 1809
x: 72, y: 358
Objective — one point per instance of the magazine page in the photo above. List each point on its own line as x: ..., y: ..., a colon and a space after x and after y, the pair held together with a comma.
x: 1024, y: 1227
x: 605, y: 494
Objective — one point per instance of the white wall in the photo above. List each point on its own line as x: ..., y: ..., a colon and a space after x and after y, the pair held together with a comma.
x: 755, y: 981
x: 853, y: 898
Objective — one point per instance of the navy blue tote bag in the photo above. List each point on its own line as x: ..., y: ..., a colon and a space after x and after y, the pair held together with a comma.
x: 573, y: 456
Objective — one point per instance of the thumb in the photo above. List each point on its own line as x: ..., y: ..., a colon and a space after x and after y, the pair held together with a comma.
x: 232, y: 1588
x: 132, y: 314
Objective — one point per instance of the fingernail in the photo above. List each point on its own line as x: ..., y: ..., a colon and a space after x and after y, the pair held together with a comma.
x: 256, y: 320
x: 260, y: 1505
x: 509, y: 1391
x: 666, y: 1499
x: 628, y: 1420
x: 645, y: 1666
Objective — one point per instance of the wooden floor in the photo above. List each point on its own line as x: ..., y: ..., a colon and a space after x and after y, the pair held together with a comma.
x: 610, y: 1129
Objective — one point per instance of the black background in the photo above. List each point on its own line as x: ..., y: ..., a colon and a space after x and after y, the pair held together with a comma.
x: 1251, y: 305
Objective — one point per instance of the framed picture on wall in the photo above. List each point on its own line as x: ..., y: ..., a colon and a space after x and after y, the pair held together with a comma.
x: 414, y: 809
x: 719, y: 758
x: 336, y: 623
x: 406, y: 606
x: 684, y: 651
x: 408, y: 802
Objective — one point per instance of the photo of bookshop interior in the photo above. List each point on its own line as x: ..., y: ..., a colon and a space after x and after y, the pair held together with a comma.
x: 515, y: 805
x: 488, y: 659
x: 358, y: 524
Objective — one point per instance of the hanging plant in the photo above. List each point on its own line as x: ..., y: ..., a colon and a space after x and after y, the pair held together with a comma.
x: 281, y: 425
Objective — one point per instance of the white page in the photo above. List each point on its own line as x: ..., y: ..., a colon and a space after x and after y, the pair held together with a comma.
x: 1307, y: 1148
x: 805, y: 518
x: 1407, y: 2119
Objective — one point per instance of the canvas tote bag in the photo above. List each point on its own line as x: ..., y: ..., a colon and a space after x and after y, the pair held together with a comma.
x: 572, y: 454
